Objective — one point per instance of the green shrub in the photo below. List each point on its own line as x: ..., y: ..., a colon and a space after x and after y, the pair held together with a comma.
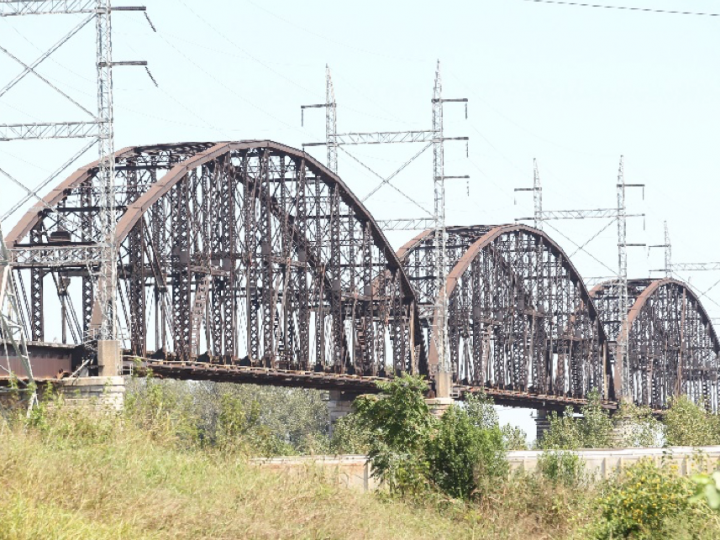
x: 350, y: 436
x: 562, y: 467
x: 593, y: 429
x: 638, y: 426
x: 514, y: 438
x: 400, y: 425
x: 481, y: 410
x: 463, y: 458
x: 687, y: 424
x: 707, y: 488
x: 638, y: 503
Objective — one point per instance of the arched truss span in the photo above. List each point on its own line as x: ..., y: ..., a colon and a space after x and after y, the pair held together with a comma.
x: 250, y: 251
x: 672, y: 347
x: 520, y: 317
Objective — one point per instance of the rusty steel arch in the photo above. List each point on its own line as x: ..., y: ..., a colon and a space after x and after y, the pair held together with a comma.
x: 520, y: 317
x: 245, y: 252
x: 672, y: 345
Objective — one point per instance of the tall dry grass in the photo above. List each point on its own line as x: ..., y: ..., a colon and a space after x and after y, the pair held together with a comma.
x: 82, y: 474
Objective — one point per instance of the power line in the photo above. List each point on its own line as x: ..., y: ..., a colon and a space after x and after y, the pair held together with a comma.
x: 625, y: 8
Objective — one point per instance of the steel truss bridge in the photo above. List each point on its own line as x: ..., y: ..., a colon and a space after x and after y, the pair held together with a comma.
x: 252, y: 262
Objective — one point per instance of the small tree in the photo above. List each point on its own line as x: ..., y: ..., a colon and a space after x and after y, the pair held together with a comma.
x: 687, y: 424
x: 514, y: 438
x: 463, y: 456
x: 638, y: 426
x: 593, y: 429
x: 481, y: 410
x: 399, y: 424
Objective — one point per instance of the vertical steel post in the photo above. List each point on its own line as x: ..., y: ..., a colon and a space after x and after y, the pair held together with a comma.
x: 441, y: 305
x: 537, y: 196
x: 106, y: 174
x: 330, y: 122
x: 622, y: 293
x: 668, y: 251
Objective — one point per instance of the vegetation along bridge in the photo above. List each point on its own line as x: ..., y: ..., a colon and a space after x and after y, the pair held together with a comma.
x: 252, y: 262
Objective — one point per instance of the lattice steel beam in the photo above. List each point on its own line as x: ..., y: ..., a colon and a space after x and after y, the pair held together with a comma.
x: 51, y: 130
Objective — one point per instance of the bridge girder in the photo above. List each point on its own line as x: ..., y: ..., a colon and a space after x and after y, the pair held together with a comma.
x: 249, y: 252
x: 520, y: 317
x: 673, y: 348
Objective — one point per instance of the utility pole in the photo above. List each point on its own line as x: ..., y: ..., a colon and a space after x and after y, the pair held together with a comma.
x: 537, y: 197
x: 622, y: 281
x: 330, y: 107
x: 671, y: 267
x: 618, y: 214
x: 440, y: 322
x: 668, y: 252
x: 435, y: 138
x: 101, y: 259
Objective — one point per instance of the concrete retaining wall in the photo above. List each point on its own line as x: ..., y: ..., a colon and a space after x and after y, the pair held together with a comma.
x: 355, y: 472
x: 602, y: 463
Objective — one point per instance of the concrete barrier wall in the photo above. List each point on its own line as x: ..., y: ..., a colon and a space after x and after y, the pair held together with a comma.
x: 603, y: 463
x: 355, y: 472
x: 350, y: 471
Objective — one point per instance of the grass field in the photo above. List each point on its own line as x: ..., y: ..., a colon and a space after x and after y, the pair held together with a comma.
x: 119, y: 482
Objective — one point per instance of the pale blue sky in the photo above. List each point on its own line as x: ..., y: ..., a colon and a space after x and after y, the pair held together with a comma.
x: 573, y: 87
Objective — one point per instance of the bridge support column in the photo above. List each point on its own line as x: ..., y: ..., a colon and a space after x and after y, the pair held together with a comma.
x: 339, y: 404
x: 439, y: 405
x: 104, y: 391
x: 542, y: 424
x: 109, y: 358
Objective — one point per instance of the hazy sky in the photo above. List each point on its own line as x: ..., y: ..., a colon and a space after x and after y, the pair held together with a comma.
x: 573, y: 87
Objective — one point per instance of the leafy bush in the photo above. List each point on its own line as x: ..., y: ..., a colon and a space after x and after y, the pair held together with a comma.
x: 411, y: 451
x: 259, y: 420
x: 593, y: 429
x: 707, y: 488
x: 481, y: 410
x: 638, y: 426
x: 350, y: 436
x: 562, y: 467
x: 638, y: 503
x: 687, y: 424
x: 400, y: 425
x: 514, y: 438
x: 463, y: 457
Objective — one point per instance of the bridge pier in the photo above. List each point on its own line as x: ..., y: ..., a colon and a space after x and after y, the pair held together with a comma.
x: 439, y: 405
x: 104, y: 391
x: 542, y: 424
x: 109, y: 357
x: 339, y: 403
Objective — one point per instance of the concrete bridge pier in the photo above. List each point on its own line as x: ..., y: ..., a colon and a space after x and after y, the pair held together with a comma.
x: 542, y: 423
x: 108, y: 392
x: 339, y: 403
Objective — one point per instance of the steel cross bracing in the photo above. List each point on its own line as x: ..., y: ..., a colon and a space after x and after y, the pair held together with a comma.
x: 519, y: 316
x: 335, y: 141
x: 249, y: 253
x: 11, y: 326
x: 98, y: 253
x: 671, y: 267
x: 66, y: 130
x: 671, y: 345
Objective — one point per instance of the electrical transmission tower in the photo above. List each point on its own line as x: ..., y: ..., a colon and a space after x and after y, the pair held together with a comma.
x: 537, y: 197
x: 100, y: 258
x: 619, y: 215
x: 435, y: 138
x: 671, y: 267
